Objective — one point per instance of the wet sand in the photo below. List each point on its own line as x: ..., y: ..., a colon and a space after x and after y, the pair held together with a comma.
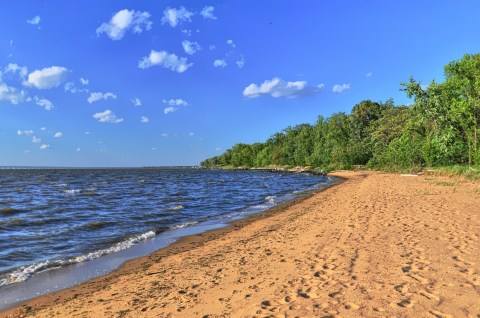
x: 377, y: 245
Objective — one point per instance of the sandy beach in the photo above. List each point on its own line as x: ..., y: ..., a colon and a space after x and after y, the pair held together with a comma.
x: 376, y: 245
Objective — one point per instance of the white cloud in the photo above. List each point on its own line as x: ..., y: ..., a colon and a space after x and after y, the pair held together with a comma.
x: 84, y: 81
x: 231, y: 43
x: 337, y: 88
x: 107, y: 117
x: 212, y: 47
x: 164, y: 135
x: 321, y: 86
x: 25, y: 132
x: 87, y: 133
x: 77, y: 150
x: 369, y: 74
x: 174, y: 16
x: 58, y: 134
x: 277, y: 87
x: 136, y: 102
x: 123, y: 21
x: 71, y: 88
x: 241, y: 62
x: 96, y: 96
x: 191, y: 47
x: 36, y: 140
x: 187, y: 32
x: 218, y: 149
x: 44, y: 146
x: 43, y: 129
x: 165, y: 60
x: 48, y: 77
x: 219, y: 63
x: 169, y: 110
x: 191, y: 134
x: 207, y: 13
x: 35, y: 20
x: 144, y: 119
x: 14, y: 68
x: 175, y: 102
x: 11, y: 94
x: 43, y: 102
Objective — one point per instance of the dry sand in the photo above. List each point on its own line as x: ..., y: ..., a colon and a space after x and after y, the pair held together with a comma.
x: 377, y: 245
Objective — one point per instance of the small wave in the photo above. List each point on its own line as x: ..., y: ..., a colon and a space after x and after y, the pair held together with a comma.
x: 25, y: 272
x: 270, y: 199
x: 176, y: 207
x: 10, y: 211
x: 71, y: 191
x: 181, y: 226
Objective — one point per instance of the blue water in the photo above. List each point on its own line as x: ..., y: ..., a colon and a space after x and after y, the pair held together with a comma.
x: 55, y: 218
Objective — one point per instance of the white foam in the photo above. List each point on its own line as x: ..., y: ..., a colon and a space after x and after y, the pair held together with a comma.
x: 270, y: 199
x: 71, y: 191
x: 25, y: 272
x: 181, y: 226
x: 177, y: 207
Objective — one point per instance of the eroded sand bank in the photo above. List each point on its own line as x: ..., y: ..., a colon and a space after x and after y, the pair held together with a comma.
x: 377, y: 245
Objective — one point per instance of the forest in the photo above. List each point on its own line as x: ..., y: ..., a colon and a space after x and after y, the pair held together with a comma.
x: 440, y: 128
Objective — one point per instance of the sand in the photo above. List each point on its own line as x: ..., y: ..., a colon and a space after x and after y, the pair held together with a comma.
x: 377, y: 245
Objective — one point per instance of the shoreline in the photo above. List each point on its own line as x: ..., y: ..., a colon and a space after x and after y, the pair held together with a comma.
x: 174, y: 244
x: 377, y: 245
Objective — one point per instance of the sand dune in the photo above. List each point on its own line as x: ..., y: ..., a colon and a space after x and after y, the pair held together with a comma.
x: 377, y: 245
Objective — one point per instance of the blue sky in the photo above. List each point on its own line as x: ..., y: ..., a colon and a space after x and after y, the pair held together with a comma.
x: 142, y: 83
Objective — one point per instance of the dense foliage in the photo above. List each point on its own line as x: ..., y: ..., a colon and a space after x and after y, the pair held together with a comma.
x: 440, y: 128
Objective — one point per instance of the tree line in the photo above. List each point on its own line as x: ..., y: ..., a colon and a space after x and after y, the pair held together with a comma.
x: 440, y: 128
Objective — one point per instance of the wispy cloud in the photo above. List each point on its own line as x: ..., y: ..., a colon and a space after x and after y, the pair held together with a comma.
x: 107, y: 116
x: 71, y: 88
x: 36, y: 140
x: 165, y: 60
x: 276, y: 87
x: 136, y: 102
x: 241, y: 62
x: 220, y: 63
x: 175, y: 16
x: 231, y: 43
x: 144, y: 119
x: 25, y: 132
x: 15, y: 68
x: 11, y: 94
x: 169, y: 110
x: 175, y: 102
x: 207, y: 13
x: 44, y: 147
x: 47, y: 78
x: 340, y: 88
x: 58, y: 134
x: 190, y: 47
x: 84, y: 81
x: 35, y: 20
x: 96, y: 96
x: 44, y: 103
x: 123, y: 21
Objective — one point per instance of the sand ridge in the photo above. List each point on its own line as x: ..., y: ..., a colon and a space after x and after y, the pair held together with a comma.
x: 377, y: 245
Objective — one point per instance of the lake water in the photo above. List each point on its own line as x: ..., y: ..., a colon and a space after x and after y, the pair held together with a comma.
x: 53, y: 218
